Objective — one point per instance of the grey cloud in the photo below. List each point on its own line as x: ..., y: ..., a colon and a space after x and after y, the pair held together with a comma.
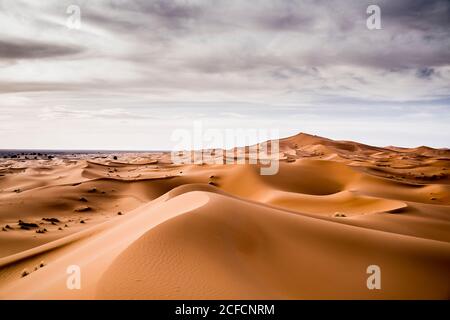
x: 260, y: 60
x: 195, y: 45
x: 285, y: 15
x: 34, y: 86
x: 345, y: 39
x: 423, y: 15
x: 169, y: 9
x: 425, y: 73
x: 144, y: 15
x: 63, y: 112
x: 25, y: 49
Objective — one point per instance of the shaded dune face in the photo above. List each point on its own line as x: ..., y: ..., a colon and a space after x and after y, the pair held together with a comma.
x: 306, y: 177
x: 142, y: 227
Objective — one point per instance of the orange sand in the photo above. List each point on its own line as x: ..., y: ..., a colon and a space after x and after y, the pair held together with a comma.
x: 225, y: 231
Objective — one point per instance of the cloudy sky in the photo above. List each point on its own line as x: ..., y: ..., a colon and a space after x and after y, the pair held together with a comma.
x: 136, y: 71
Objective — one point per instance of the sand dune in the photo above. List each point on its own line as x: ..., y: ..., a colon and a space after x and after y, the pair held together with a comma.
x: 141, y: 227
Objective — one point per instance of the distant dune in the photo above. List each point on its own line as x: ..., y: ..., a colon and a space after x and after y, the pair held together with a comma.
x: 141, y: 227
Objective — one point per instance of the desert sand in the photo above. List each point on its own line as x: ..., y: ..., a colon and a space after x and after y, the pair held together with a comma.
x: 141, y: 227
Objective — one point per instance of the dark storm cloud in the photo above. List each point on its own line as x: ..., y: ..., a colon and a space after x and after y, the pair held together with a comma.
x: 34, y: 50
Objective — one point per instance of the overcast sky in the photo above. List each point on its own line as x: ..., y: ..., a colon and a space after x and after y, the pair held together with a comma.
x: 135, y: 71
